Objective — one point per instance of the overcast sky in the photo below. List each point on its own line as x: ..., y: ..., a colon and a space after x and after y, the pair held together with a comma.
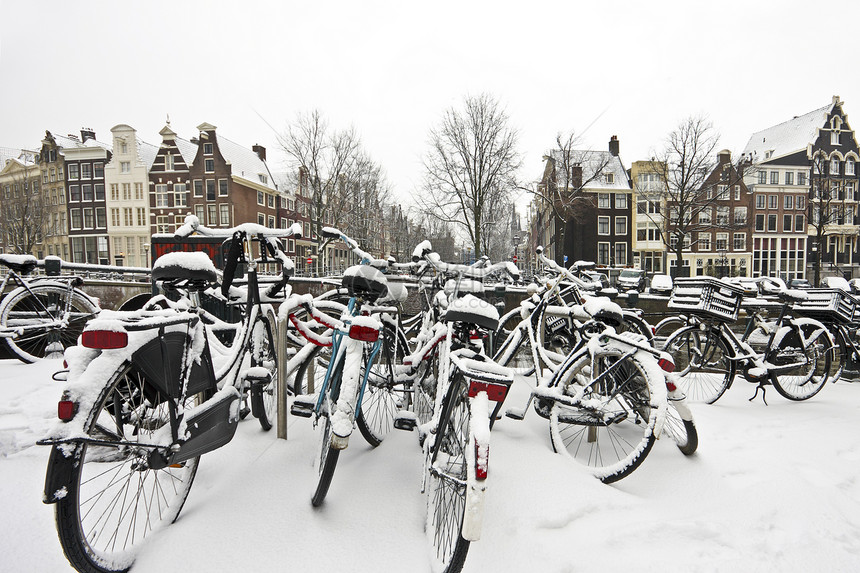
x: 390, y: 69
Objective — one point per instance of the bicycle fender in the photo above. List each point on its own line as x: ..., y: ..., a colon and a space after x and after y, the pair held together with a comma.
x: 61, y: 465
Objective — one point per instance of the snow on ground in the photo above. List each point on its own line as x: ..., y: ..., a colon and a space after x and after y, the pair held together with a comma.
x: 772, y: 488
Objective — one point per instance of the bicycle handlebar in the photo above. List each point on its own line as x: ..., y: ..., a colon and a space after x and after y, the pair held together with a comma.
x: 366, y: 258
x: 468, y: 271
x: 192, y: 225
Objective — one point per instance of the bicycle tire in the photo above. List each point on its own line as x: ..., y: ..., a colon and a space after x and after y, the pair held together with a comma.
x: 446, y: 473
x: 384, y: 395
x: 264, y: 344
x: 82, y: 515
x: 44, y: 302
x: 609, y: 450
x: 326, y: 463
x: 682, y: 431
x: 667, y: 327
x: 803, y: 383
x: 702, y: 363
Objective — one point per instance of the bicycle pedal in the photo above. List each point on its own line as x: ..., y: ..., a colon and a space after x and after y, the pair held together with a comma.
x: 243, y: 413
x: 302, y: 409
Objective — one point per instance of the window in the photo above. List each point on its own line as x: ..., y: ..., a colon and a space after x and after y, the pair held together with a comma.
x: 210, y: 189
x: 128, y: 216
x: 788, y: 202
x: 200, y: 211
x: 263, y: 179
x: 849, y: 166
x: 180, y: 195
x: 620, y: 254
x: 270, y: 199
x: 209, y: 165
x: 705, y: 216
x: 225, y: 214
x: 762, y: 177
x: 261, y: 219
x: 212, y: 214
x: 74, y: 193
x: 771, y: 222
x: 621, y: 200
x: 162, y: 224
x: 849, y: 190
x: 789, y: 177
x: 740, y: 242
x: 161, y: 196
x: 114, y: 217
x: 773, y: 201
x: 737, y: 190
x: 168, y: 162
x: 87, y: 192
x: 704, y: 241
x: 44, y: 176
x: 222, y: 187
x: 759, y: 201
x: 89, y: 219
x: 603, y: 225
x: 786, y: 223
x: 99, y: 170
x: 759, y: 222
x: 722, y: 215
x: 73, y: 171
x: 722, y: 242
x: 75, y: 218
x: 123, y: 147
x: 141, y: 217
x: 86, y: 171
x: 740, y: 215
x: 834, y: 166
x: 602, y: 253
x: 138, y: 190
x: 603, y: 203
x: 723, y: 192
x: 207, y: 149
x: 261, y: 200
x: 100, y: 191
x: 801, y: 202
x: 198, y: 188
x: 271, y: 222
x: 834, y: 137
x: 620, y: 225
x: 291, y: 246
x: 124, y: 167
x: 114, y: 192
x: 610, y: 177
x: 798, y: 223
x: 801, y: 178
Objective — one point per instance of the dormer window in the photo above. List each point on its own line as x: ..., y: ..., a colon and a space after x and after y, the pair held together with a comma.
x: 123, y: 147
x: 264, y: 179
x: 610, y: 178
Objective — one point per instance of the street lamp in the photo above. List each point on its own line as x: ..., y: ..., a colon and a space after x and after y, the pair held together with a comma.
x: 723, y: 263
x: 146, y: 254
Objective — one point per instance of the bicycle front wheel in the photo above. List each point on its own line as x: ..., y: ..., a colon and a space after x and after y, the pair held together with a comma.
x: 116, y: 501
x: 810, y: 350
x: 612, y: 432
x: 327, y: 459
x: 702, y: 362
x: 446, y: 475
x: 264, y: 344
x: 679, y: 425
x: 38, y: 310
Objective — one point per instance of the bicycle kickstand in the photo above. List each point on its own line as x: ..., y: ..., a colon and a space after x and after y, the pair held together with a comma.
x: 760, y: 386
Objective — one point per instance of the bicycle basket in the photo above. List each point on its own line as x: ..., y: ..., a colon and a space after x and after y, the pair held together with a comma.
x: 827, y: 305
x: 708, y: 297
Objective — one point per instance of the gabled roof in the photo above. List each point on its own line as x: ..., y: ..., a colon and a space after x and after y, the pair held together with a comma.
x: 593, y: 162
x: 245, y: 163
x: 787, y: 137
x: 147, y: 153
x: 22, y: 156
x: 66, y: 142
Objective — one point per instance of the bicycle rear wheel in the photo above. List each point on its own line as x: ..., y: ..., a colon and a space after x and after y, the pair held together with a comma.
x: 446, y: 475
x: 44, y: 304
x: 115, y: 501
x: 612, y: 432
x: 702, y: 363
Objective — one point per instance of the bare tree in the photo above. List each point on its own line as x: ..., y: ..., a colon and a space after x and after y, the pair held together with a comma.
x: 824, y: 208
x: 471, y: 166
x: 23, y: 211
x: 686, y: 168
x: 325, y: 158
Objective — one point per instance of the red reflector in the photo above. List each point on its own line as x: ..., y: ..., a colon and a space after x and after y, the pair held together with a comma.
x: 482, y: 461
x: 104, y: 339
x: 65, y: 364
x: 65, y: 410
x: 666, y: 364
x: 495, y: 392
x: 363, y: 333
x: 671, y: 387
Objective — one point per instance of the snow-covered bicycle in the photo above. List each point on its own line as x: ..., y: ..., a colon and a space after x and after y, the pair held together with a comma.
x: 145, y: 398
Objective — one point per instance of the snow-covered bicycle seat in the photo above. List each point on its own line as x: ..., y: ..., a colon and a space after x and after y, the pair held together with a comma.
x: 194, y: 267
x: 19, y: 263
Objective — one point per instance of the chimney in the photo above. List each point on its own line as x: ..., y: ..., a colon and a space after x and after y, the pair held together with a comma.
x: 613, y: 145
x: 260, y: 151
x: 87, y: 133
x: 724, y: 156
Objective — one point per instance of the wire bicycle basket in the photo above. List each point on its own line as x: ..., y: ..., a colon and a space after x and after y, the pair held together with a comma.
x: 707, y: 297
x: 828, y: 305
